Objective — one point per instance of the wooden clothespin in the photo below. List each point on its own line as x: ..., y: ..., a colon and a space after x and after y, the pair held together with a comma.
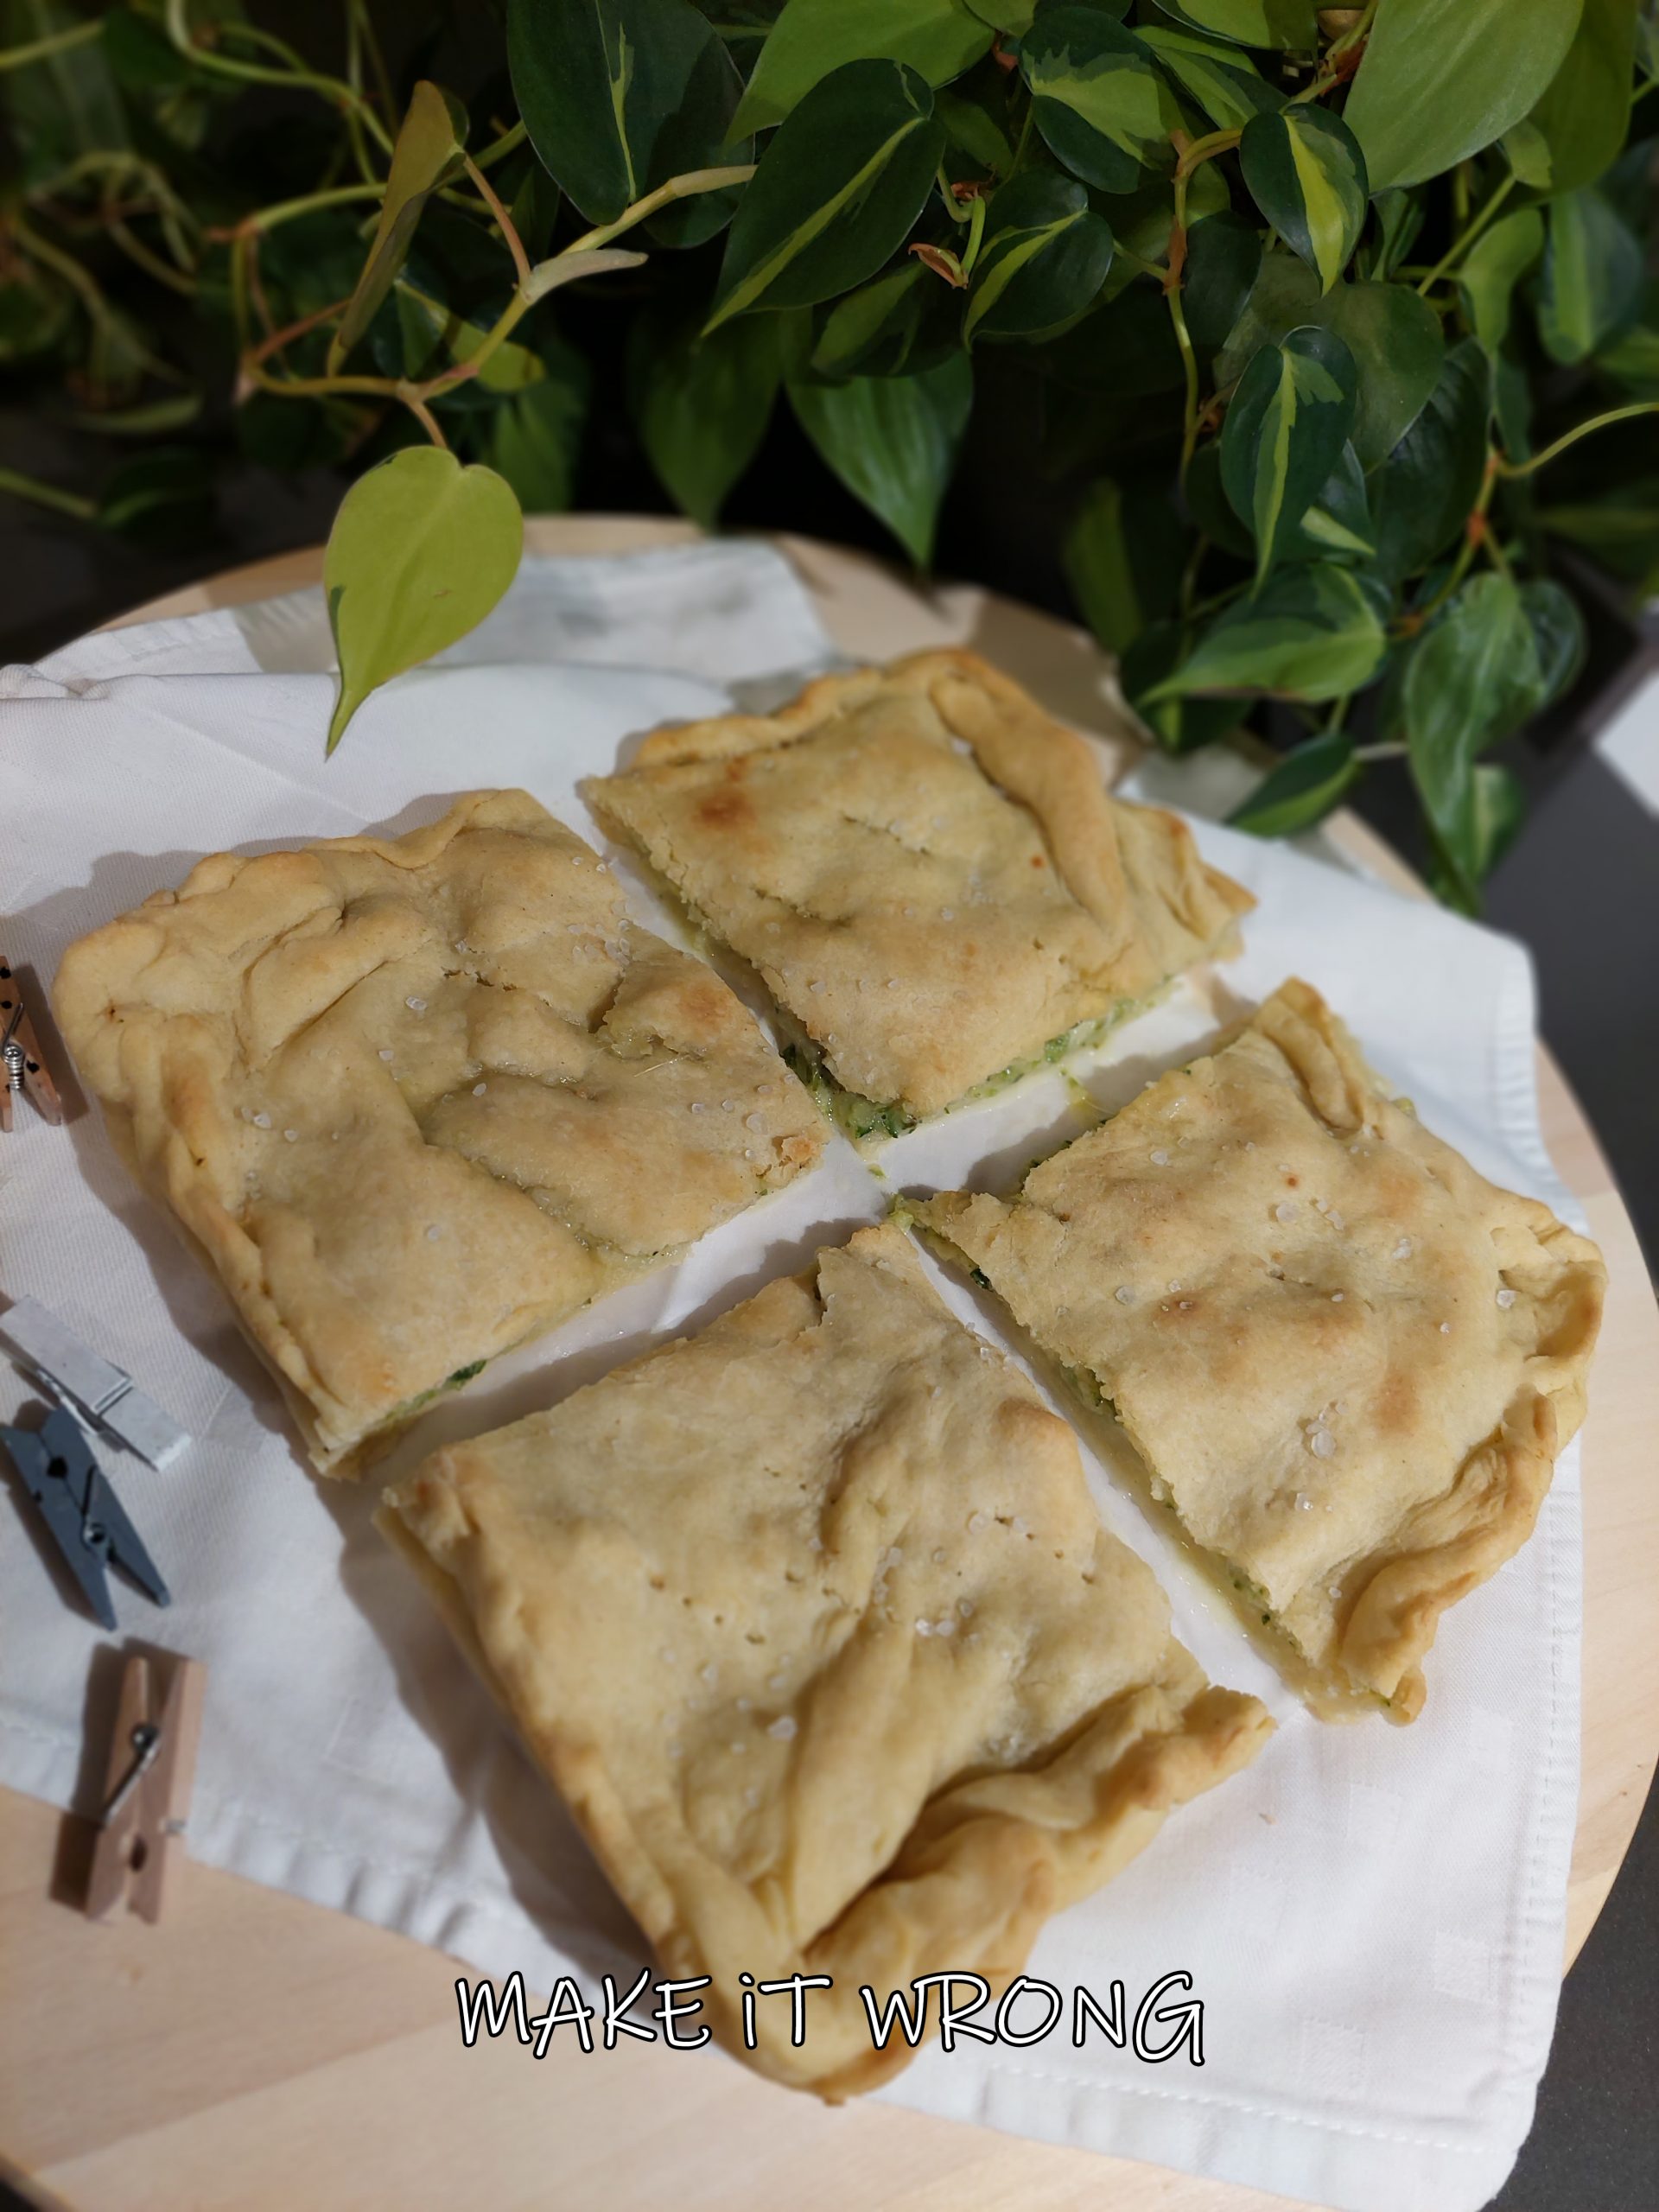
x: 147, y: 1793
x: 23, y: 1070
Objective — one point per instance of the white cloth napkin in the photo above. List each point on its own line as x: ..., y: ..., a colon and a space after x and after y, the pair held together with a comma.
x: 1372, y: 1917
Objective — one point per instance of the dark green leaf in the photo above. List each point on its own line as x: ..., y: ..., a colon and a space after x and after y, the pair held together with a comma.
x: 872, y: 330
x: 1222, y: 258
x: 1302, y: 790
x: 892, y: 441
x: 1287, y: 426
x: 1583, y: 116
x: 1288, y: 24
x: 1211, y: 509
x: 1492, y: 268
x: 421, y: 548
x: 64, y: 106
x: 1122, y: 351
x: 1099, y: 99
x: 975, y: 113
x: 1179, y: 725
x: 1222, y: 81
x: 35, y: 312
x: 1142, y: 219
x: 1044, y: 259
x: 1337, y: 526
x: 1592, y: 276
x: 1123, y: 558
x: 618, y: 96
x: 141, y: 56
x: 1422, y: 497
x: 534, y: 436
x: 836, y: 190
x: 939, y: 38
x: 429, y: 152
x: 175, y: 412
x: 1441, y: 79
x: 703, y: 406
x: 1400, y: 216
x: 1313, y: 633
x: 1558, y: 635
x: 1308, y: 175
x: 162, y: 499
x: 535, y: 210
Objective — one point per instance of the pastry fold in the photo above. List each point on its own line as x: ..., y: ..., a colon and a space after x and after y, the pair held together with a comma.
x: 927, y: 872
x: 416, y: 1099
x: 1347, y: 1361
x: 813, y: 1621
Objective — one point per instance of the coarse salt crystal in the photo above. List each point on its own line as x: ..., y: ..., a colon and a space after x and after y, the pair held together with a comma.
x: 817, y: 984
x: 292, y: 1135
x: 755, y: 1120
x: 433, y: 1232
x: 1445, y: 1328
x: 262, y: 1121
x: 1161, y: 1159
x: 386, y: 1053
x: 1403, y: 1250
x: 478, y: 1090
x: 782, y: 1727
x: 415, y: 1005
x: 1336, y: 1297
x: 1123, y: 1294
x: 1321, y: 1443
x: 1285, y: 1211
x: 1506, y: 1298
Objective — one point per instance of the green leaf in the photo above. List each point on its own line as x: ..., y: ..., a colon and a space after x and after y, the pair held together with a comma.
x: 1492, y: 268
x: 429, y: 152
x: 1223, y: 258
x: 1099, y: 99
x: 1423, y: 496
x: 1011, y: 16
x: 1400, y: 216
x: 1123, y: 558
x: 1179, y: 725
x: 1394, y: 336
x: 1224, y: 83
x: 1286, y: 428
x: 836, y: 191
x: 1302, y: 790
x: 1338, y: 525
x: 1044, y: 259
x: 1592, y: 276
x: 1286, y: 23
x: 1210, y: 510
x: 1441, y: 79
x: 162, y: 499
x: 64, y: 106
x: 703, y: 404
x: 892, y: 441
x: 1308, y: 175
x: 421, y: 548
x: 1583, y: 116
x: 1313, y: 633
x: 1470, y: 679
x: 1141, y: 219
x: 618, y: 96
x: 1527, y: 151
x: 975, y: 113
x: 1558, y: 635
x: 35, y: 312
x: 535, y: 436
x: 871, y: 331
x: 939, y: 38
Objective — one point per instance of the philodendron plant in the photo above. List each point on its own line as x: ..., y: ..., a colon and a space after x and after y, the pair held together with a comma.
x: 1308, y: 300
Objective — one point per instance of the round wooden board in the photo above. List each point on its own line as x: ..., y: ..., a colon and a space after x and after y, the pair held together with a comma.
x: 258, y: 2050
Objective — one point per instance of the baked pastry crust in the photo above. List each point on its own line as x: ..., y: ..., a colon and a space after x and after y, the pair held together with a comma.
x: 416, y: 1099
x: 1348, y: 1361
x: 812, y: 1621
x: 927, y: 871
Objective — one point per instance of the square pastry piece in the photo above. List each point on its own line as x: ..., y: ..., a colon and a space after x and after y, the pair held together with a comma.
x: 929, y: 876
x: 1347, y: 1360
x: 813, y: 1621
x: 418, y: 1098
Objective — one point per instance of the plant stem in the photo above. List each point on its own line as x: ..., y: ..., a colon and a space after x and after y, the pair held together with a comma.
x: 677, y: 188
x: 47, y: 495
x: 1173, y: 277
x: 503, y: 146
x: 40, y: 49
x: 976, y: 235
x: 287, y: 211
x: 254, y: 72
x: 515, y: 245
x: 1350, y: 39
x: 1459, y: 247
x: 1515, y: 468
x: 1204, y: 149
x: 1388, y: 751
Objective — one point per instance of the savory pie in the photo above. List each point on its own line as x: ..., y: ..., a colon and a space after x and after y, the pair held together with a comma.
x: 813, y: 1621
x: 1347, y: 1361
x: 418, y: 1098
x: 928, y: 875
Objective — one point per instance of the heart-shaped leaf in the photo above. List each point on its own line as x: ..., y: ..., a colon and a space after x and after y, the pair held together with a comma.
x: 429, y: 152
x: 1287, y: 426
x: 1583, y: 116
x: 421, y: 548
x: 1592, y: 276
x: 1179, y: 725
x: 1286, y: 23
x: 618, y: 96
x: 1492, y: 268
x: 1441, y: 79
x: 892, y: 441
x: 836, y: 190
x: 1224, y: 82
x: 1123, y: 558
x: 939, y: 38
x: 1338, y: 526
x: 1098, y: 98
x: 703, y: 404
x: 872, y: 330
x: 1302, y: 790
x: 1223, y: 260
x: 1423, y: 495
x: 1313, y: 633
x: 1558, y: 635
x: 1308, y: 175
x: 1045, y: 257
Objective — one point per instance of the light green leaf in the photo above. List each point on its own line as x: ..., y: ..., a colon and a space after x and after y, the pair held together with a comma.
x: 703, y: 404
x: 1123, y: 558
x: 1287, y: 426
x: 421, y: 548
x: 892, y: 441
x: 1224, y: 82
x: 1100, y: 101
x: 1527, y: 151
x: 1313, y: 633
x: 1301, y: 790
x: 430, y: 149
x: 835, y: 192
x: 1441, y: 79
x: 1492, y: 268
x: 1592, y: 276
x: 1286, y: 23
x: 1308, y: 175
x: 1045, y: 257
x: 939, y: 38
x: 1012, y: 16
x: 1583, y: 116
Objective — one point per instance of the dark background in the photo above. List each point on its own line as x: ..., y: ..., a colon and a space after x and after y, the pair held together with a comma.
x: 1580, y: 889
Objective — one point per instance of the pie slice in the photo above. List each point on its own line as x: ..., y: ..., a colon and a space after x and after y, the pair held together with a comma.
x: 418, y: 1098
x: 929, y: 876
x: 812, y: 1620
x: 1347, y: 1361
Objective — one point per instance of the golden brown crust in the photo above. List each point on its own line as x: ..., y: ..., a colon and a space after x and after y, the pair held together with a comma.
x: 814, y: 1624
x: 926, y: 869
x: 1348, y: 1361
x: 416, y: 1099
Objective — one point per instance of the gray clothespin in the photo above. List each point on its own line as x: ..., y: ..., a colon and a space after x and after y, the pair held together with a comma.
x: 105, y: 1396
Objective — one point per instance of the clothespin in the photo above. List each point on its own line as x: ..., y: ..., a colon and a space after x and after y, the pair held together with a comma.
x: 23, y: 1070
x: 82, y: 1513
x: 147, y: 1788
x: 104, y: 1395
